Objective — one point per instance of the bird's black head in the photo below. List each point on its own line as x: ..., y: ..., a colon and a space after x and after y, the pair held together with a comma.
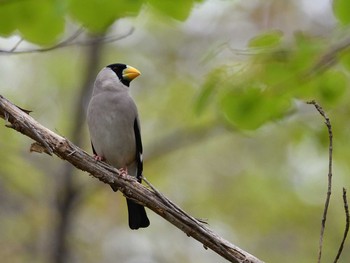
x: 118, y: 69
x: 124, y: 72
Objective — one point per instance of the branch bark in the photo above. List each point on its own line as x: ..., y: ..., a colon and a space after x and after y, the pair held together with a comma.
x: 151, y: 198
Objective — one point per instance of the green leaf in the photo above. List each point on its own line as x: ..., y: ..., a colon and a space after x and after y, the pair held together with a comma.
x: 8, y: 14
x: 240, y: 108
x: 278, y: 74
x: 203, y: 98
x: 98, y: 15
x: 213, y: 80
x: 41, y: 21
x: 38, y: 21
x: 179, y: 9
x: 332, y: 86
x: 344, y: 59
x: 252, y: 107
x: 306, y: 51
x: 341, y: 9
x: 267, y: 39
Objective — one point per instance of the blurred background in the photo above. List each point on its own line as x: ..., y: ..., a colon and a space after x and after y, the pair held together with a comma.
x: 226, y: 131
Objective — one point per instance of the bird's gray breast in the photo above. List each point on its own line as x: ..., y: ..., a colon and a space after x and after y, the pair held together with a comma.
x: 111, y: 119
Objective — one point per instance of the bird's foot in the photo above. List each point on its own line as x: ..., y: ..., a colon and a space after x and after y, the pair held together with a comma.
x: 98, y: 158
x: 123, y: 171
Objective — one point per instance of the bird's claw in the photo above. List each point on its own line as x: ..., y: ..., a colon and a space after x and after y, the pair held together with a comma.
x: 98, y: 158
x: 123, y: 171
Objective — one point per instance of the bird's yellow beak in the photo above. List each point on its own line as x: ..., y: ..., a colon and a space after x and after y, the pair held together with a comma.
x: 130, y: 73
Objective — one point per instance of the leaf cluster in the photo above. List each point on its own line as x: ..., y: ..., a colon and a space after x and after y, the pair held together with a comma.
x: 43, y: 21
x: 263, y: 89
x: 278, y: 71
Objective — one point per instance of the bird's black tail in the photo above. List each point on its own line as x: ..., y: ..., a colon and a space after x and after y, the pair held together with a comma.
x: 137, y: 215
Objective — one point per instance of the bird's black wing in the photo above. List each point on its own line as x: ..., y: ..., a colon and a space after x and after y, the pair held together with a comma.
x: 137, y: 213
x: 93, y: 149
x: 138, y: 150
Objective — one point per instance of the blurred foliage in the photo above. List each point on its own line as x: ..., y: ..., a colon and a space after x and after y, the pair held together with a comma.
x: 255, y: 165
x: 38, y: 21
x: 43, y: 21
x: 264, y: 88
x: 341, y: 11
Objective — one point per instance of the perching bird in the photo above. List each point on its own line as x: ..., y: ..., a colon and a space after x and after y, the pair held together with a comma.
x: 115, y: 129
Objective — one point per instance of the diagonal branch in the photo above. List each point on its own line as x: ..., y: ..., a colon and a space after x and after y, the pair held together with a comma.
x: 329, y: 58
x: 66, y: 150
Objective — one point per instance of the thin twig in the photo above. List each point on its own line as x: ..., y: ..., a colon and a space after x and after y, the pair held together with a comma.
x: 329, y: 191
x: 16, y: 45
x: 67, y: 42
x: 347, y: 220
x: 329, y: 58
x: 70, y: 41
x: 162, y: 197
x: 105, y: 39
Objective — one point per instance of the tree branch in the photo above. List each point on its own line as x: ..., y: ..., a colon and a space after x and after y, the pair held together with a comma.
x: 70, y: 41
x: 330, y: 163
x: 329, y: 58
x: 329, y: 191
x: 346, y: 230
x: 63, y: 148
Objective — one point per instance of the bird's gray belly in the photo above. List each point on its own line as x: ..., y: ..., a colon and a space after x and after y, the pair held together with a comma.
x: 113, y: 138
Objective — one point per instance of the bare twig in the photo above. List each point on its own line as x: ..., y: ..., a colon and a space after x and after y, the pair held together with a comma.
x: 347, y: 220
x: 104, y: 39
x: 329, y: 58
x: 16, y: 45
x: 70, y: 41
x: 330, y: 161
x: 126, y: 184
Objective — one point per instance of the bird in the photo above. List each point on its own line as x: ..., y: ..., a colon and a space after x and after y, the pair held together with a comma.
x: 114, y: 127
